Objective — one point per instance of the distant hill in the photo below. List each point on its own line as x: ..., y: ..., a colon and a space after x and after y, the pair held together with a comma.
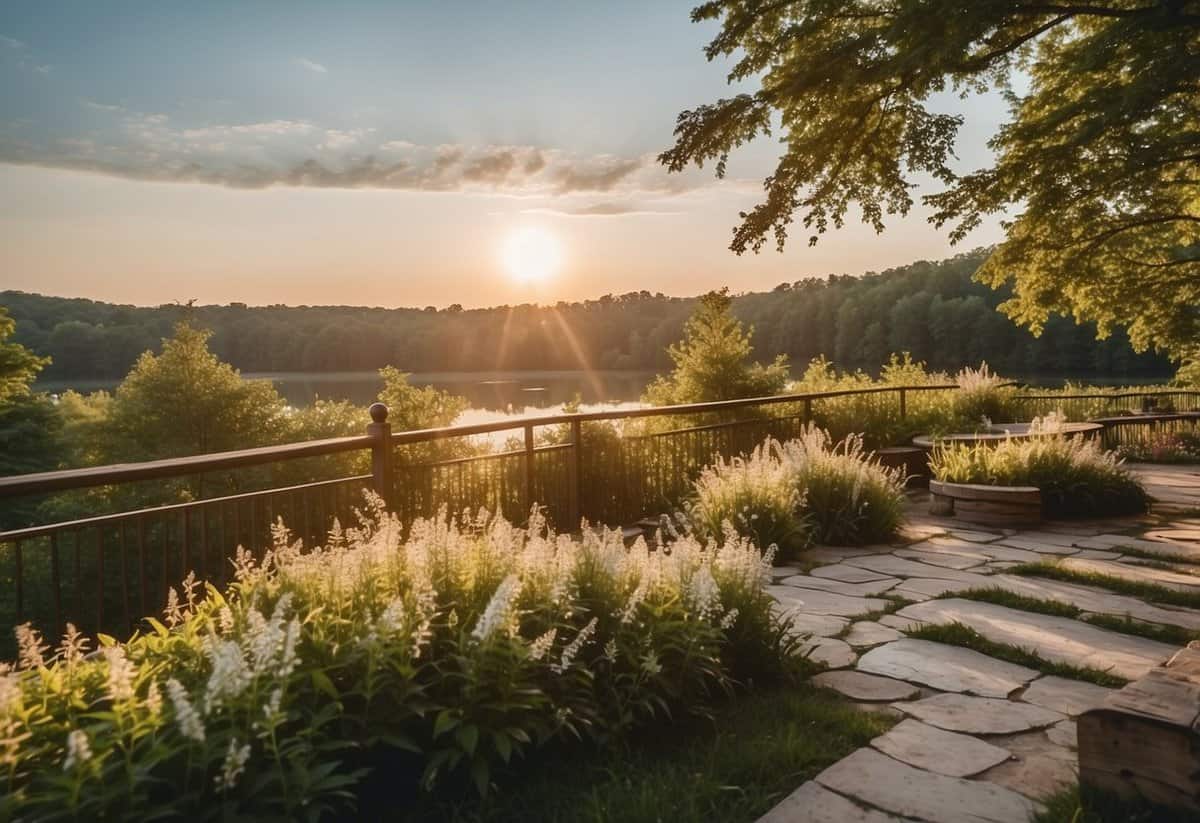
x: 933, y: 310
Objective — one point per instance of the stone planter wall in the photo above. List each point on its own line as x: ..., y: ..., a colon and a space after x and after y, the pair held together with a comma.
x: 1010, y: 506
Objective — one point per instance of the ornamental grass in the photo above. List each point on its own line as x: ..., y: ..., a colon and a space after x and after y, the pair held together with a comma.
x: 1077, y: 478
x: 439, y: 657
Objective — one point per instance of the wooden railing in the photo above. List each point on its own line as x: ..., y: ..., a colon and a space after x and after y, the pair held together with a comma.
x: 104, y: 571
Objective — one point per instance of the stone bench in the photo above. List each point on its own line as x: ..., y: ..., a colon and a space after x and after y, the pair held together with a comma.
x: 1014, y: 506
x: 1144, y: 740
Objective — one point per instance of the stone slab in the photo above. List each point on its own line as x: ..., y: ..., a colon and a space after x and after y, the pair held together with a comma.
x: 902, y: 624
x: 885, y: 783
x: 870, y: 633
x: 1091, y: 599
x: 979, y: 715
x: 937, y: 750
x: 1039, y: 546
x: 870, y: 588
x: 1038, y: 768
x: 868, y: 688
x: 902, y: 567
x: 947, y: 560
x: 1140, y: 574
x: 812, y: 601
x: 818, y: 625
x: 1063, y: 734
x: 976, y: 535
x: 1071, y: 697
x: 848, y: 574
x: 813, y: 803
x: 921, y: 588
x: 1057, y: 639
x: 828, y: 651
x: 947, y: 668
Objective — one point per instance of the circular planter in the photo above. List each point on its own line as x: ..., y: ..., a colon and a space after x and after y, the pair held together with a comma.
x: 1001, y: 432
x: 912, y: 460
x: 1012, y: 506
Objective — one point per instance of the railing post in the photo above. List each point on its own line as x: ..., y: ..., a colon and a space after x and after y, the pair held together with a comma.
x: 808, y: 410
x: 903, y: 404
x: 528, y: 469
x: 576, y: 475
x: 382, y: 475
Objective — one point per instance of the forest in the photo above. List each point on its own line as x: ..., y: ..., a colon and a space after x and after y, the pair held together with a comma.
x: 935, y: 310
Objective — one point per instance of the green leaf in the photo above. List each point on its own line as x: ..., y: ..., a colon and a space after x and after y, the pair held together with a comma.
x: 321, y: 682
x: 467, y: 737
x: 446, y: 720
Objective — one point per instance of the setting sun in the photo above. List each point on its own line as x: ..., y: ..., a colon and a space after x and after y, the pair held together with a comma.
x: 532, y: 255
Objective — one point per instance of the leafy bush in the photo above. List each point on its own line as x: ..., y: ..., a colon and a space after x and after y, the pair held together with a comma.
x: 791, y: 493
x: 1076, y: 477
x: 849, y: 497
x: 758, y: 496
x: 982, y: 396
x: 446, y: 654
x: 1164, y: 447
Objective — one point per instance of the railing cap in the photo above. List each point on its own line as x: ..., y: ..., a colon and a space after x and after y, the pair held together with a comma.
x: 379, y: 412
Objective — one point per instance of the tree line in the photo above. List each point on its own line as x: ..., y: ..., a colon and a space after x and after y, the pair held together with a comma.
x: 935, y: 310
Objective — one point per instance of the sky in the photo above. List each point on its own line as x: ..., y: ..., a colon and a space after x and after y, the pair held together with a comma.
x: 387, y: 154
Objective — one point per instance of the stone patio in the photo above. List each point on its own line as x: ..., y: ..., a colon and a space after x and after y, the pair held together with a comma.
x: 980, y: 739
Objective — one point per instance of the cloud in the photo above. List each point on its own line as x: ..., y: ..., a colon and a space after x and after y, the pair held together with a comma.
x: 11, y: 42
x: 253, y: 155
x: 311, y: 65
x: 21, y: 56
x: 602, y: 209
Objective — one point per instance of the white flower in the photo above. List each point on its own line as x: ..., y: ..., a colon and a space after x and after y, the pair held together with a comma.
x: 230, y: 676
x: 121, y: 672
x: 729, y: 619
x: 190, y: 724
x: 573, y: 648
x: 78, y: 750
x: 31, y: 649
x: 539, y: 647
x: 234, y: 765
x: 154, y: 700
x: 499, y: 611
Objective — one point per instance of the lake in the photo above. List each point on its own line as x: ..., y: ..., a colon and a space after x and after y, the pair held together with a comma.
x: 492, y: 395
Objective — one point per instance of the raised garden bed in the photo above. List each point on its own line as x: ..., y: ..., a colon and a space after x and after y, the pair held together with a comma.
x: 1004, y: 431
x: 1014, y: 506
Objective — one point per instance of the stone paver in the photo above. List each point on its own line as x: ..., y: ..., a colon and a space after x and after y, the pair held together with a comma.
x: 871, y: 588
x: 870, y: 633
x: 1139, y: 574
x: 848, y: 574
x: 886, y: 783
x: 937, y: 750
x: 1101, y: 601
x: 812, y: 601
x: 947, y: 668
x: 979, y: 715
x: 868, y: 688
x: 836, y: 654
x: 1057, y: 639
x: 1071, y: 697
x: 813, y: 803
x: 1008, y: 728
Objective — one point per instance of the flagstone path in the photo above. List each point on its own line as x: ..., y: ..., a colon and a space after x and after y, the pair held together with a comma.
x: 980, y: 740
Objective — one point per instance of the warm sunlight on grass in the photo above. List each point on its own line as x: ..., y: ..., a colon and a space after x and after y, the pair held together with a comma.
x: 532, y: 255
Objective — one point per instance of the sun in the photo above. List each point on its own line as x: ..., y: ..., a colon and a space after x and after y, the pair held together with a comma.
x: 532, y: 255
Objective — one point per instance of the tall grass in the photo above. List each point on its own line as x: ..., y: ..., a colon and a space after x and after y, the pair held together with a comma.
x: 791, y: 493
x: 1076, y: 477
x: 447, y: 653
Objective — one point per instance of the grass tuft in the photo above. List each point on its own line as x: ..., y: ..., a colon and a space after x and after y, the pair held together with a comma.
x: 957, y: 634
x: 756, y: 751
x: 1080, y: 804
x: 1150, y: 592
x: 1001, y: 597
x: 1173, y: 635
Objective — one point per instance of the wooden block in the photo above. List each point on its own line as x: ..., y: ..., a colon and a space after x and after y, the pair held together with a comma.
x: 1145, y: 739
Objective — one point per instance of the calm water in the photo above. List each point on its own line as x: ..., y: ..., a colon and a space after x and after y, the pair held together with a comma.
x: 493, y: 395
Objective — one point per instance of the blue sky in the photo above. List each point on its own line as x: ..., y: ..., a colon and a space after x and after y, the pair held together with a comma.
x: 265, y: 152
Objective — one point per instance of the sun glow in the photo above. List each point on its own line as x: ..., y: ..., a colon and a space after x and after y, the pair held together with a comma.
x: 532, y: 255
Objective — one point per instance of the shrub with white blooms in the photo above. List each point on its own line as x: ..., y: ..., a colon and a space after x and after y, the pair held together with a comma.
x: 463, y: 644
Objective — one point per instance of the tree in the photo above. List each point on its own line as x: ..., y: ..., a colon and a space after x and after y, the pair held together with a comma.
x: 712, y: 362
x: 1095, y: 167
x: 410, y: 407
x: 186, y: 401
x: 18, y: 365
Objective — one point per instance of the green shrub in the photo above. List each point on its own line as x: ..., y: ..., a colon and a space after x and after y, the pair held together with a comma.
x: 758, y: 496
x: 849, y: 497
x: 789, y: 494
x: 445, y: 654
x: 1076, y: 477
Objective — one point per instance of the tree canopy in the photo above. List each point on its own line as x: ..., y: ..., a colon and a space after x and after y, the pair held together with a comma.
x: 1094, y: 171
x: 712, y: 361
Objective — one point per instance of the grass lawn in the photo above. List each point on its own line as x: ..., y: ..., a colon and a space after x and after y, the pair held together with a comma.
x: 756, y: 750
x: 1077, y: 805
